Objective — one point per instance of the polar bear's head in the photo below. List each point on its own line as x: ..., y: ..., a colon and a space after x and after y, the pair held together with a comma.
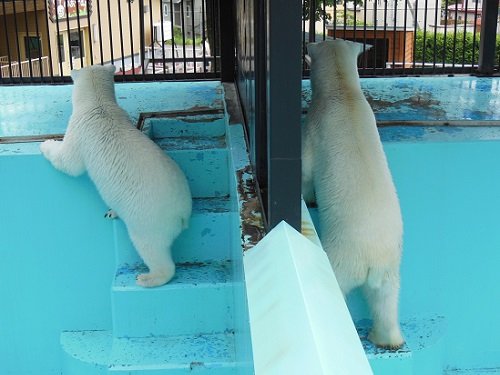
x: 92, y: 81
x: 334, y: 60
x: 338, y: 51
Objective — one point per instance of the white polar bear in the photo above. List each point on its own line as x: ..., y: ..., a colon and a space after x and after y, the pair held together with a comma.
x: 345, y: 171
x: 134, y: 176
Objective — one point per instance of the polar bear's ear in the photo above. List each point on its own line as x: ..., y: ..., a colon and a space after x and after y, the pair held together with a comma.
x: 110, y: 68
x: 74, y: 74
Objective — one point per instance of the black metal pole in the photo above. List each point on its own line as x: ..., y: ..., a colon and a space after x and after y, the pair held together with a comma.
x: 227, y: 33
x: 488, y: 37
x: 284, y: 111
x: 312, y: 21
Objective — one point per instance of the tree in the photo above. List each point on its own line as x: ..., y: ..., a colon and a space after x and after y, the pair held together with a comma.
x: 320, y: 5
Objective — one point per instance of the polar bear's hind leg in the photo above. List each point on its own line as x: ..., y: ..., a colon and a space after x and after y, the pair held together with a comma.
x: 157, y: 257
x: 383, y: 299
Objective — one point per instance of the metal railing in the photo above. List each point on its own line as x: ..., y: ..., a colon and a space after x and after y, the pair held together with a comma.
x: 411, y: 37
x: 43, y: 40
x: 37, y: 67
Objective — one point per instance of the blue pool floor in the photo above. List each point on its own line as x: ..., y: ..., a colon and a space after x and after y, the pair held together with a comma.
x: 448, y: 182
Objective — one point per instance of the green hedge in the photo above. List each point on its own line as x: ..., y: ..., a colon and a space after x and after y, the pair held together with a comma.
x: 469, y: 45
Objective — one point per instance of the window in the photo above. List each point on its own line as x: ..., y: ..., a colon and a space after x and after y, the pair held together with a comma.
x: 166, y: 9
x: 76, y: 45
x: 32, y: 47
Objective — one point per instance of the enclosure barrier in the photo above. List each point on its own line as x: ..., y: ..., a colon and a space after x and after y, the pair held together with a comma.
x: 42, y: 41
x: 410, y: 37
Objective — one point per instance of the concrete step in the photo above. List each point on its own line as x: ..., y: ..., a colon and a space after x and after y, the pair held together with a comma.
x: 97, y: 352
x: 206, y: 168
x: 211, y: 123
x: 199, y: 299
x: 207, y: 237
x: 423, y: 352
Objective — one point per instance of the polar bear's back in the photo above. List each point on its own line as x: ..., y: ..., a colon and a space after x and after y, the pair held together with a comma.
x: 133, y: 175
x: 354, y: 189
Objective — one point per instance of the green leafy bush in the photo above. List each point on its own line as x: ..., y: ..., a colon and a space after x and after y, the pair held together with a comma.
x: 462, y: 48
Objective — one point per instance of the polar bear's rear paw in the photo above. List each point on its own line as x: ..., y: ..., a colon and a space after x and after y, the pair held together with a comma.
x: 392, y: 340
x: 150, y: 280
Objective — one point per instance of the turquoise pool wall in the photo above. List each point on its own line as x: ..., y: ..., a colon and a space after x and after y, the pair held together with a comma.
x: 57, y: 250
x: 57, y: 262
x: 450, y: 199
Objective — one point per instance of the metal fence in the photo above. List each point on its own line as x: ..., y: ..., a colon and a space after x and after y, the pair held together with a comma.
x: 406, y: 37
x: 43, y: 40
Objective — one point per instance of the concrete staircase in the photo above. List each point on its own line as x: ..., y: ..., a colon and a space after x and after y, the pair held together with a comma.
x: 197, y: 322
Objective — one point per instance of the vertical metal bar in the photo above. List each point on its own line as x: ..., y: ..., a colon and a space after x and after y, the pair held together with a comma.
x: 304, y: 44
x: 284, y: 112
x: 424, y: 47
x: 415, y: 30
x: 474, y: 36
x: 80, y: 39
x: 312, y: 21
x: 99, y: 26
x: 375, y: 14
x: 345, y: 19
x: 131, y: 35
x: 215, y: 32
x: 174, y: 45
x: 487, y: 43
x: 365, y: 12
x: 162, y: 41
x: 354, y: 21
x: 194, y: 35
x: 203, y: 35
x: 324, y: 19
x: 259, y: 135
x: 386, y: 52
x: 7, y: 41
x: 59, y: 54
x: 434, y: 52
x: 39, y: 40
x: 122, y: 48
x: 226, y: 22
x: 183, y: 32
x: 464, y: 39
x: 110, y: 30
x: 394, y: 35
x: 69, y: 35
x: 142, y: 37
x: 334, y: 20
x: 89, y: 25
x: 27, y: 46
x: 152, y: 37
x: 49, y: 44
x: 455, y: 36
x: 17, y: 39
x: 444, y: 34
x: 405, y: 24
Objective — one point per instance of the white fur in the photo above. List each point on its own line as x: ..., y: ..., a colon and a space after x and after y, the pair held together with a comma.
x: 140, y: 183
x: 345, y: 171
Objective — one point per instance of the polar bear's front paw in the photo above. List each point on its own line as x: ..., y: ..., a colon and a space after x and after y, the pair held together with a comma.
x: 49, y: 148
x: 110, y: 214
x: 150, y: 280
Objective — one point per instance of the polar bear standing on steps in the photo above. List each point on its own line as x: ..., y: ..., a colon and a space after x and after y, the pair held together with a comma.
x: 135, y: 178
x: 345, y: 171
